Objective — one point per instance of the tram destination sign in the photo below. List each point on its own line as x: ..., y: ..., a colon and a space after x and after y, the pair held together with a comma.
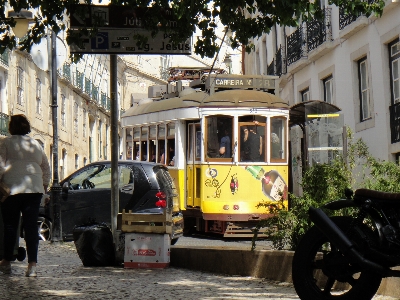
x: 240, y: 82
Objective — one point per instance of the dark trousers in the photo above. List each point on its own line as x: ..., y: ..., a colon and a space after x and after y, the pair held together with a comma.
x: 28, y: 204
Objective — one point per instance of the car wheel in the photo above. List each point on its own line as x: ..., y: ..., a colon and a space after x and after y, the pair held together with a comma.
x: 44, y: 229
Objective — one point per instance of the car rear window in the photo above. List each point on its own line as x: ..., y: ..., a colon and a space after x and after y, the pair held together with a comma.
x: 164, y: 178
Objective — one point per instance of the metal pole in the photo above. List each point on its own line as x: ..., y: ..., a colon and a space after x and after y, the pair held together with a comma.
x: 114, y: 144
x: 55, y: 204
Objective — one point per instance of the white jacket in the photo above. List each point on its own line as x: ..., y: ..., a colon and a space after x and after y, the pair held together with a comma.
x: 24, y: 166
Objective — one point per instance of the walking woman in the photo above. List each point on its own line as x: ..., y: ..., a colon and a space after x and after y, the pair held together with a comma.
x: 25, y: 169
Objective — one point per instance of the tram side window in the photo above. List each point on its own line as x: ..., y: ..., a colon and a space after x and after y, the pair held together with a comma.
x: 161, y: 143
x: 152, y: 143
x: 219, y: 136
x: 136, y: 143
x: 252, y: 138
x: 170, y: 153
x: 278, y: 138
x: 144, y: 144
x: 129, y: 145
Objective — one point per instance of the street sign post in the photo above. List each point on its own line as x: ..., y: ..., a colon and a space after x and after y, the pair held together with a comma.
x: 123, y: 41
x: 118, y: 30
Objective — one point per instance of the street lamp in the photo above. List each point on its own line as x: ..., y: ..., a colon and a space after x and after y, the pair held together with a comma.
x: 228, y: 62
x: 22, y: 18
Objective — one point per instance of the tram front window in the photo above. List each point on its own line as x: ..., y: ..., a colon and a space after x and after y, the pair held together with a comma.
x: 219, y: 136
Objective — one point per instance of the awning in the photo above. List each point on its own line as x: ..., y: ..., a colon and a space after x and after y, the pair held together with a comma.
x: 297, y: 113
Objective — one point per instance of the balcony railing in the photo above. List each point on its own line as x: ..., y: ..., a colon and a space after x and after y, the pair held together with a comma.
x: 347, y: 19
x: 395, y: 123
x: 88, y: 86
x: 4, y: 57
x: 271, y: 68
x: 275, y: 67
x: 4, y: 119
x: 105, y: 101
x: 294, y: 46
x: 67, y: 72
x: 79, y: 80
x: 319, y: 30
x: 278, y: 62
x: 309, y: 37
x: 95, y: 93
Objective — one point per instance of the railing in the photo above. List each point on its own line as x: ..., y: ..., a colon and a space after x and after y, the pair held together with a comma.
x: 4, y: 119
x: 105, y: 101
x: 275, y: 67
x: 4, y: 57
x: 79, y: 80
x: 88, y: 86
x: 95, y: 93
x: 308, y: 37
x: 395, y: 123
x: 67, y: 72
x: 346, y: 19
x: 315, y: 34
x: 278, y: 61
x: 270, y: 68
x: 294, y: 46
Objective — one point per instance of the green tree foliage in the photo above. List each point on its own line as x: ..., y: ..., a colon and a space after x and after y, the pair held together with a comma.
x: 325, y: 183
x: 245, y: 18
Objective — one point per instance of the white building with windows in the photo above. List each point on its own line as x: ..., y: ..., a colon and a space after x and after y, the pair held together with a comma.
x: 349, y: 61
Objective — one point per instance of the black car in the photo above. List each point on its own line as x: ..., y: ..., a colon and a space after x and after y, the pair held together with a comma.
x: 144, y: 187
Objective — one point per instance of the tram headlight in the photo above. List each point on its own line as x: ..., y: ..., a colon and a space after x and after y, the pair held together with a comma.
x: 236, y: 207
x: 226, y: 207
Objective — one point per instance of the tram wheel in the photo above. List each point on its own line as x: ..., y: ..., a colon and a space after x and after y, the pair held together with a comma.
x: 189, y: 227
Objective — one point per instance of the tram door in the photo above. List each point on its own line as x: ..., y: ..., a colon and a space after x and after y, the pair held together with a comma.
x: 193, y: 167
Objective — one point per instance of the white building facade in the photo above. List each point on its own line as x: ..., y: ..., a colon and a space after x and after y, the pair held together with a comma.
x: 349, y: 61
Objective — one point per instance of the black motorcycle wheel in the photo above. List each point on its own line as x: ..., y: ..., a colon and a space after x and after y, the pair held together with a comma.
x: 320, y: 272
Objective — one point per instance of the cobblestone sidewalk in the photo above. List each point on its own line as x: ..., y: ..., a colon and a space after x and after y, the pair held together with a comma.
x: 61, y: 275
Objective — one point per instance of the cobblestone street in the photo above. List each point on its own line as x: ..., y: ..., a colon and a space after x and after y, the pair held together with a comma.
x: 61, y: 275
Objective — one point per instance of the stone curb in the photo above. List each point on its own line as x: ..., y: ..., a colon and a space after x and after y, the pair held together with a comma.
x: 271, y: 264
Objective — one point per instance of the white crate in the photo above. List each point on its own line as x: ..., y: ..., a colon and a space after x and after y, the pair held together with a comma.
x: 147, y: 250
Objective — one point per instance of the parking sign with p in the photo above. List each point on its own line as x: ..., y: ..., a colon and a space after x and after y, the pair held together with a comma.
x: 100, y: 41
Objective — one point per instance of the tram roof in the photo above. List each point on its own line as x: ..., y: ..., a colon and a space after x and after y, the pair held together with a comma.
x: 227, y: 98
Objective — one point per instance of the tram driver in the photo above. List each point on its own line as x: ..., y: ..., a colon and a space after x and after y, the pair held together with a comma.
x: 225, y: 145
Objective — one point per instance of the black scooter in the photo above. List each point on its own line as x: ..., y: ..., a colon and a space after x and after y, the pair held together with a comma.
x: 346, y: 257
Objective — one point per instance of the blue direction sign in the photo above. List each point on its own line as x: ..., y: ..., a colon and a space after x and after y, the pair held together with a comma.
x: 122, y: 41
x: 116, y: 16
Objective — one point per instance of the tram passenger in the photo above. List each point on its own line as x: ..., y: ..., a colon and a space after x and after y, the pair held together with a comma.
x: 171, y: 157
x: 252, y: 144
x: 225, y: 145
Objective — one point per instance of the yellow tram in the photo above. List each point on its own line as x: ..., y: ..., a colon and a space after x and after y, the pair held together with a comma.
x: 225, y: 140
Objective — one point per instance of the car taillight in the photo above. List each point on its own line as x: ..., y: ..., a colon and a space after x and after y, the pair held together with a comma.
x: 162, y: 202
x: 161, y: 195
